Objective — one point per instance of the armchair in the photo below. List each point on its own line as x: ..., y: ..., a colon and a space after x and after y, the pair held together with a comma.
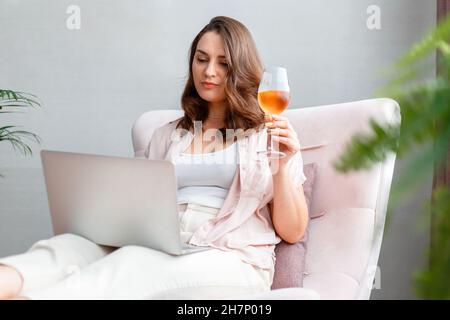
x: 344, y: 244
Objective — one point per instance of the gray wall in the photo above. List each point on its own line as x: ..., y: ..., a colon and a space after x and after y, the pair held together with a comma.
x: 131, y: 56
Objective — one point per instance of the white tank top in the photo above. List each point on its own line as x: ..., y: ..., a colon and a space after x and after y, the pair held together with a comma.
x: 206, y: 178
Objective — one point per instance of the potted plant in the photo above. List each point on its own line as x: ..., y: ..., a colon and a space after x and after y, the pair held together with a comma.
x: 16, y: 99
x: 425, y: 120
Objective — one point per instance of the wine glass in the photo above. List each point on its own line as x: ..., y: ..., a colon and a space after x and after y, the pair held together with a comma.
x: 273, y: 98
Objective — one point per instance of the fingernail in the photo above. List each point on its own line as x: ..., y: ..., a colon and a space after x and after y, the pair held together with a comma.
x: 268, y: 124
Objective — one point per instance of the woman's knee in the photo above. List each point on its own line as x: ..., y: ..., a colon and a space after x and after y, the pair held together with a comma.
x: 73, y: 241
x: 62, y: 240
x: 71, y: 249
x: 69, y: 238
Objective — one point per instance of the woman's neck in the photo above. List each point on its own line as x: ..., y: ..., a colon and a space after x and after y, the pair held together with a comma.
x: 215, y: 122
x: 216, y: 116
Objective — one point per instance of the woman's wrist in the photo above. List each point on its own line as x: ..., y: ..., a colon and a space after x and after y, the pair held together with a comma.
x: 280, y: 171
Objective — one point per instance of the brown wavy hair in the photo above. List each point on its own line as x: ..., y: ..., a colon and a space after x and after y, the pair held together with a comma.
x: 241, y: 82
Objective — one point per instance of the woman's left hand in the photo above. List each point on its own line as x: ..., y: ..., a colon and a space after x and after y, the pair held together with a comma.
x: 284, y: 135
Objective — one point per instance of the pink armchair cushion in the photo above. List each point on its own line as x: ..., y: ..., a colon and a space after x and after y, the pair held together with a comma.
x: 290, y: 258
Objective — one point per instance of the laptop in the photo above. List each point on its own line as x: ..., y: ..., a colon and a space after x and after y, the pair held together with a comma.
x: 114, y: 201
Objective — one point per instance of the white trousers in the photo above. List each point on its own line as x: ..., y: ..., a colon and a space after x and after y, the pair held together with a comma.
x: 68, y: 266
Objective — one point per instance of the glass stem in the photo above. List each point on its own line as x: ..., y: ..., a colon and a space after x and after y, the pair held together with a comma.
x: 269, y: 142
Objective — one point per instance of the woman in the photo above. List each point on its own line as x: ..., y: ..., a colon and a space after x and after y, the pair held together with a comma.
x: 238, y: 208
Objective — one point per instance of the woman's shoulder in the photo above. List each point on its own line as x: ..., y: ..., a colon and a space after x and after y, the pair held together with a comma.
x: 175, y: 122
x: 168, y: 127
x: 160, y: 140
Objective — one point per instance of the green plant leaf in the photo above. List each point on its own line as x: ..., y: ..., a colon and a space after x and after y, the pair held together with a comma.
x: 425, y: 121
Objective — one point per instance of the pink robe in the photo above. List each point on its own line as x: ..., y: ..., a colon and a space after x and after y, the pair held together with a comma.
x: 243, y: 224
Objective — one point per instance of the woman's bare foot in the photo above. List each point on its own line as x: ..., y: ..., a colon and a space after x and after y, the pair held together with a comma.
x: 10, y: 282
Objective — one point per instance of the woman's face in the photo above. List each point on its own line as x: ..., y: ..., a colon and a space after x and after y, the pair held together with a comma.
x: 209, y: 68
